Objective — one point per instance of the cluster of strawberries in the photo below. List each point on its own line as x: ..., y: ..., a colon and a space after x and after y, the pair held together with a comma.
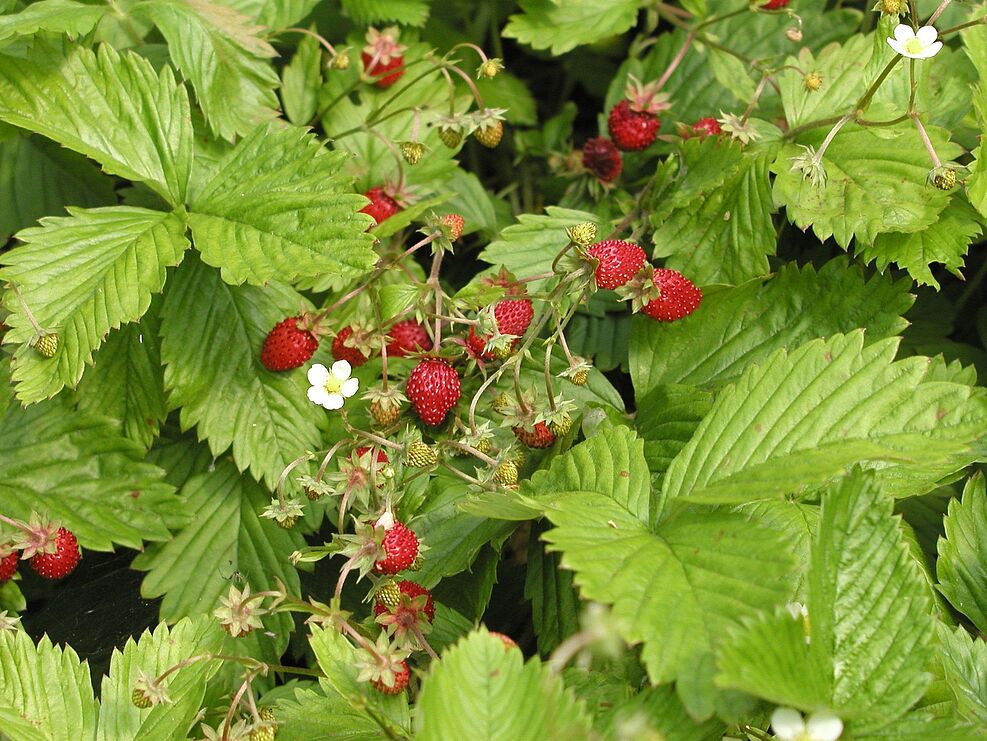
x: 53, y: 552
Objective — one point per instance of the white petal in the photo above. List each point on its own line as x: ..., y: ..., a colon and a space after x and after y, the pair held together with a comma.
x: 903, y: 32
x: 333, y: 401
x: 318, y: 395
x: 927, y: 34
x: 318, y: 374
x: 932, y: 50
x: 898, y: 47
x: 787, y: 723
x: 350, y: 387
x: 341, y: 369
x: 824, y: 726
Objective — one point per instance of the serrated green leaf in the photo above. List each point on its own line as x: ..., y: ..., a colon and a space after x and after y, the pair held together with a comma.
x: 274, y: 14
x: 673, y: 585
x: 964, y: 659
x: 562, y: 25
x: 71, y: 99
x: 218, y: 379
x: 279, y: 208
x: 79, y: 470
x: 45, y: 691
x: 405, y: 12
x: 604, y: 339
x: 554, y: 602
x: 82, y: 276
x: 742, y: 326
x: 39, y: 179
x: 510, y: 92
x: 845, y: 72
x: 874, y: 184
x: 225, y: 58
x: 312, y: 714
x: 864, y: 648
x: 53, y: 16
x: 962, y: 564
x: 804, y: 417
x: 127, y: 381
x: 946, y: 241
x: 479, y: 690
x: 301, y: 79
x: 667, y: 417
x: 154, y: 654
x: 664, y: 715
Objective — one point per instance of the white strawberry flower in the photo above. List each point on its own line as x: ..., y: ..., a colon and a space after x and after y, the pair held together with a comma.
x: 331, y: 387
x: 789, y: 725
x: 913, y: 44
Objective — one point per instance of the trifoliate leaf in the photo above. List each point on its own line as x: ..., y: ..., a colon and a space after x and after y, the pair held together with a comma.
x: 742, y: 326
x: 404, y: 12
x: 70, y: 99
x: 962, y: 564
x: 562, y: 25
x: 860, y: 575
x: 53, y: 16
x: 804, y: 417
x: 279, y: 208
x: 81, y: 276
x: 211, y: 338
x: 480, y: 689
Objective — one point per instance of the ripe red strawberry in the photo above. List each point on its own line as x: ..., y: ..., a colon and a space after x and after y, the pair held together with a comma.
x: 513, y: 316
x: 400, y: 681
x: 412, y: 590
x: 288, y: 345
x: 407, y: 337
x: 380, y: 69
x: 619, y: 261
x: 775, y: 4
x: 707, y: 127
x: 630, y: 129
x: 679, y: 296
x: 433, y: 388
x: 63, y: 561
x: 8, y: 566
x: 381, y: 454
x: 539, y: 436
x: 400, y: 548
x: 602, y: 158
x: 382, y: 206
x: 383, y: 57
x: 456, y: 224
x: 342, y: 351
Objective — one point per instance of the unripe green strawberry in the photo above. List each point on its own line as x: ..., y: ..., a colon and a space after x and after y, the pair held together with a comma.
x: 501, y: 404
x: 47, y: 345
x: 140, y: 698
x: 489, y: 135
x: 561, y: 428
x: 412, y: 152
x: 812, y: 82
x: 506, y: 473
x: 579, y: 378
x: 944, y: 179
x: 489, y: 69
x: 891, y: 7
x: 385, y: 414
x: 420, y: 455
x: 388, y: 594
x: 286, y: 523
x: 416, y: 565
x: 583, y: 234
x: 450, y: 137
x: 267, y: 732
x: 341, y: 61
x: 483, y: 446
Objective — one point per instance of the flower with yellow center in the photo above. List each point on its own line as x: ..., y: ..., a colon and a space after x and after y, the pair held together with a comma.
x: 331, y: 387
x: 913, y: 44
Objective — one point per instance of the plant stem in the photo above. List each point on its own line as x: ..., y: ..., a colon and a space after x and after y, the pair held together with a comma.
x: 676, y: 61
x: 938, y: 12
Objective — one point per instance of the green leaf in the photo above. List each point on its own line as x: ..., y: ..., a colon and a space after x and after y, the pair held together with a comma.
x: 405, y: 12
x: 742, y: 326
x: 82, y: 276
x: 225, y: 58
x: 510, y: 92
x: 962, y: 564
x: 311, y: 714
x: 554, y: 602
x: 673, y: 584
x: 874, y: 184
x: 274, y: 14
x: 667, y: 418
x: 71, y: 99
x: 53, y: 16
x: 530, y: 246
x: 218, y: 380
x: 964, y: 659
x: 845, y: 69
x: 77, y: 468
x: 154, y: 654
x: 127, y: 381
x: 946, y: 241
x: 226, y: 535
x: 279, y: 208
x: 562, y: 25
x: 39, y: 179
x: 45, y: 691
x: 665, y: 716
x: 863, y: 651
x: 805, y: 417
x: 729, y: 235
x: 479, y: 690
x: 301, y: 79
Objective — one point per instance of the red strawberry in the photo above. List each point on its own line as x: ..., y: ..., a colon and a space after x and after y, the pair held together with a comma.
x: 400, y: 548
x: 632, y: 130
x: 679, y: 296
x: 383, y: 56
x: 456, y: 224
x: 407, y: 337
x: 539, y: 436
x: 412, y: 590
x: 381, y: 206
x: 775, y: 4
x: 342, y: 351
x: 619, y: 261
x: 63, y: 561
x: 8, y: 566
x: 288, y: 346
x: 513, y: 316
x: 381, y: 454
x: 433, y: 388
x: 400, y: 681
x: 380, y: 69
x: 601, y: 158
x: 707, y: 127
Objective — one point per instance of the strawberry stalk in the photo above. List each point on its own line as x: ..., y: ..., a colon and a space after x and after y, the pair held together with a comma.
x: 471, y: 450
x: 433, y: 282
x: 235, y: 702
x: 549, y: 346
x: 27, y: 311
x: 322, y: 40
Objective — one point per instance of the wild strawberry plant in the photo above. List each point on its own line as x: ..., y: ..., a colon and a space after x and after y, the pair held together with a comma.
x: 564, y: 369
